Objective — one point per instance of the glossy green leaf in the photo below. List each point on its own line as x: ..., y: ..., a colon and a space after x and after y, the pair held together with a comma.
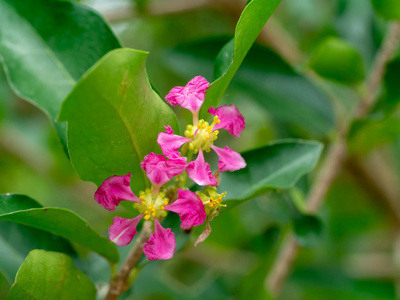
x: 17, y: 240
x: 114, y: 117
x: 387, y: 9
x: 276, y: 166
x: 50, y: 275
x: 287, y: 96
x: 58, y: 221
x: 252, y: 20
x: 337, y: 60
x: 46, y: 46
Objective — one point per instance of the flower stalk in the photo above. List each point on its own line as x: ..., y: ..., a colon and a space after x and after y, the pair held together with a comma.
x: 119, y: 284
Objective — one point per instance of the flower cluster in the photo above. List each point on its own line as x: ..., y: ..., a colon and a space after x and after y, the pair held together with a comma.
x: 193, y: 208
x: 200, y: 135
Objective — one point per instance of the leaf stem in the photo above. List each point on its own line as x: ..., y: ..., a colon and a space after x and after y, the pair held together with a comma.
x: 119, y: 284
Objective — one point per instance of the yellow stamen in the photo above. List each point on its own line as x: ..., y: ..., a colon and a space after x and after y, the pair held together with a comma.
x: 153, y: 209
x: 207, y: 138
x: 153, y: 214
x: 143, y: 203
x: 146, y: 212
x: 165, y: 202
x: 162, y: 207
x: 141, y: 197
x: 146, y: 217
x: 150, y: 206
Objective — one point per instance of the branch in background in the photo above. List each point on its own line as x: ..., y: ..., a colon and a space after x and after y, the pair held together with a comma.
x: 335, y: 158
x: 385, y: 54
x: 276, y: 36
x: 127, y: 12
x: 119, y: 284
x: 368, y: 266
x: 379, y: 179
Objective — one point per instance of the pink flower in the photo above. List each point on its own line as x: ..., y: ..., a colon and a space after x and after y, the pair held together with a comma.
x: 152, y: 205
x: 161, y: 244
x: 200, y: 172
x: 190, y: 209
x: 201, y: 135
x: 190, y: 96
x: 171, y: 142
x: 229, y: 160
x: 113, y: 190
x: 231, y: 119
x: 159, y: 170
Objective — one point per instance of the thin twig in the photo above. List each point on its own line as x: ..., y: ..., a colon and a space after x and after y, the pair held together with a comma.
x: 334, y: 159
x: 119, y: 284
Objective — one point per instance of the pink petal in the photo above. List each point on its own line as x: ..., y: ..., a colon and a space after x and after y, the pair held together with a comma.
x: 189, y: 207
x: 160, y: 170
x: 161, y: 244
x: 200, y: 172
x: 113, y: 190
x: 231, y: 119
x: 122, y: 231
x: 229, y: 160
x: 170, y: 143
x: 191, y: 96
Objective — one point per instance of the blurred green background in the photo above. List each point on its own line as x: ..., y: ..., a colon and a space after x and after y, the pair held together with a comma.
x: 353, y: 256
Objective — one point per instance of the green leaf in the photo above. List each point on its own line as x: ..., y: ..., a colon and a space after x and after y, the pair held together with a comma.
x: 387, y: 9
x: 289, y: 97
x: 390, y: 100
x: 46, y: 46
x: 252, y: 20
x: 276, y: 166
x: 50, y: 275
x: 337, y: 60
x: 57, y: 221
x: 17, y: 240
x: 114, y: 117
